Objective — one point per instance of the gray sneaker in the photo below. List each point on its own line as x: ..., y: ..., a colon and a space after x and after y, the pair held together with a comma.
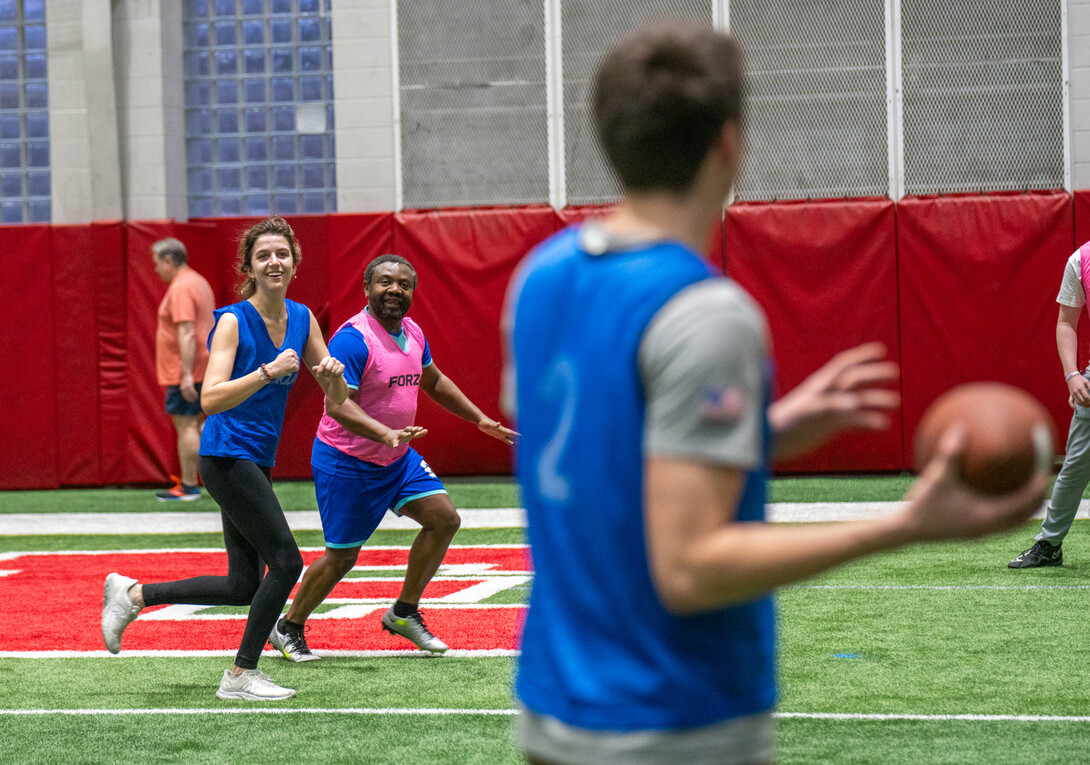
x: 292, y: 644
x: 413, y: 628
x: 118, y: 610
x: 251, y: 685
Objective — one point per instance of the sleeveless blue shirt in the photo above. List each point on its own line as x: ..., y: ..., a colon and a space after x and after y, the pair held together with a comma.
x: 251, y: 430
x: 599, y: 650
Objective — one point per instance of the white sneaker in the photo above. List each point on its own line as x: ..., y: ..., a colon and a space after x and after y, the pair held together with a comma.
x: 118, y: 610
x: 251, y: 685
x: 413, y: 628
x: 292, y: 644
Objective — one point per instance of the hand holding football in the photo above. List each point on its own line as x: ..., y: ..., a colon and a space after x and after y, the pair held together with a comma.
x: 1009, y: 435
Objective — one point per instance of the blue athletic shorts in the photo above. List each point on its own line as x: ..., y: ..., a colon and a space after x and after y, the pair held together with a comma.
x: 176, y: 403
x: 353, y: 495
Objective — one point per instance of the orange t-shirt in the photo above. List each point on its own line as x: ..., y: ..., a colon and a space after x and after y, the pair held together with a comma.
x: 189, y: 298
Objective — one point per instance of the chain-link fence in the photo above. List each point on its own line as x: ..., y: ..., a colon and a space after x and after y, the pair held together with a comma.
x: 816, y: 123
x: 983, y: 95
x: 982, y: 105
x: 473, y: 102
x: 590, y: 27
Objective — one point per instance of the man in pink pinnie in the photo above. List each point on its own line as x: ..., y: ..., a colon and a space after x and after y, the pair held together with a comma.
x: 363, y: 464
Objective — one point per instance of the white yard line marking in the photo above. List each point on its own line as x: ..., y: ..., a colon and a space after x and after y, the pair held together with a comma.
x: 455, y: 653
x: 817, y: 512
x: 847, y: 717
x: 260, y: 711
x: 932, y: 718
x: 308, y: 520
x: 172, y: 550
x: 210, y: 522
x: 482, y: 590
x: 351, y: 608
x: 425, y: 604
x: 954, y: 587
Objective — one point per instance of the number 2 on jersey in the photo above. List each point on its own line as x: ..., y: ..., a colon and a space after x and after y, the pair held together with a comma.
x: 559, y: 385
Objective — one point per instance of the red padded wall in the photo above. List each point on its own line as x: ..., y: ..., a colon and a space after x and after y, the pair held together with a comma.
x: 978, y: 282
x: 826, y: 275
x: 464, y: 260
x: 224, y: 245
x: 89, y: 319
x: 75, y: 343
x: 960, y: 288
x: 1082, y: 217
x: 112, y: 330
x: 150, y: 445
x: 354, y: 241
x: 577, y: 214
x: 32, y: 396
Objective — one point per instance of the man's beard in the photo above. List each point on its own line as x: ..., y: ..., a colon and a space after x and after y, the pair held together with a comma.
x: 386, y: 312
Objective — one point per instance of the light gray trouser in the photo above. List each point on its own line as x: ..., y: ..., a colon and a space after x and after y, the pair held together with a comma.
x: 1072, y: 480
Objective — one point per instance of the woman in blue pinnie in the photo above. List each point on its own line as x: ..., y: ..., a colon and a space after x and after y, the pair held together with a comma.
x: 255, y: 352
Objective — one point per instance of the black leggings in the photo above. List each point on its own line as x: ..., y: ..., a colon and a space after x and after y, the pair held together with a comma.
x: 255, y: 534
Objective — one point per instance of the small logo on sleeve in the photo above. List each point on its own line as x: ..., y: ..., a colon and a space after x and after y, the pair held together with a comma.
x: 723, y: 405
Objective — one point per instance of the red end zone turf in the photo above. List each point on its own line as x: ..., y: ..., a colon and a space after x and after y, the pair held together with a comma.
x: 55, y: 601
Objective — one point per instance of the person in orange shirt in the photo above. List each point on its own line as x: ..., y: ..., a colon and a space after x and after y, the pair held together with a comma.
x: 181, y: 355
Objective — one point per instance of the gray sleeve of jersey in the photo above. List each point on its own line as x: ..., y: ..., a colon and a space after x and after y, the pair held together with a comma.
x: 1071, y: 291
x: 701, y: 360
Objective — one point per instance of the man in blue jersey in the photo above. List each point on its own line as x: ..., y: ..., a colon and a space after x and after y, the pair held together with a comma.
x: 647, y: 431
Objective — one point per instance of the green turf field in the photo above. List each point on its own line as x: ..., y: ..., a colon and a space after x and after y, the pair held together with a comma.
x: 935, y: 654
x: 293, y: 495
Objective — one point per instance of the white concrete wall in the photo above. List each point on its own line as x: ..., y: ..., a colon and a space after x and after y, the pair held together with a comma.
x: 150, y: 80
x: 364, y: 105
x: 82, y: 112
x: 1078, y: 36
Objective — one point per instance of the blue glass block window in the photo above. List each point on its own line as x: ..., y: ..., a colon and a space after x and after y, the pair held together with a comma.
x: 25, y: 186
x: 259, y: 107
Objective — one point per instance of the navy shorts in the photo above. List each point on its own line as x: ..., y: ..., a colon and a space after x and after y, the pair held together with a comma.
x: 176, y: 403
x: 352, y: 503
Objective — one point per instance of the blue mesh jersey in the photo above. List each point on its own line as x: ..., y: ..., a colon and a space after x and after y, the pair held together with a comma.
x: 599, y: 651
x: 251, y: 430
